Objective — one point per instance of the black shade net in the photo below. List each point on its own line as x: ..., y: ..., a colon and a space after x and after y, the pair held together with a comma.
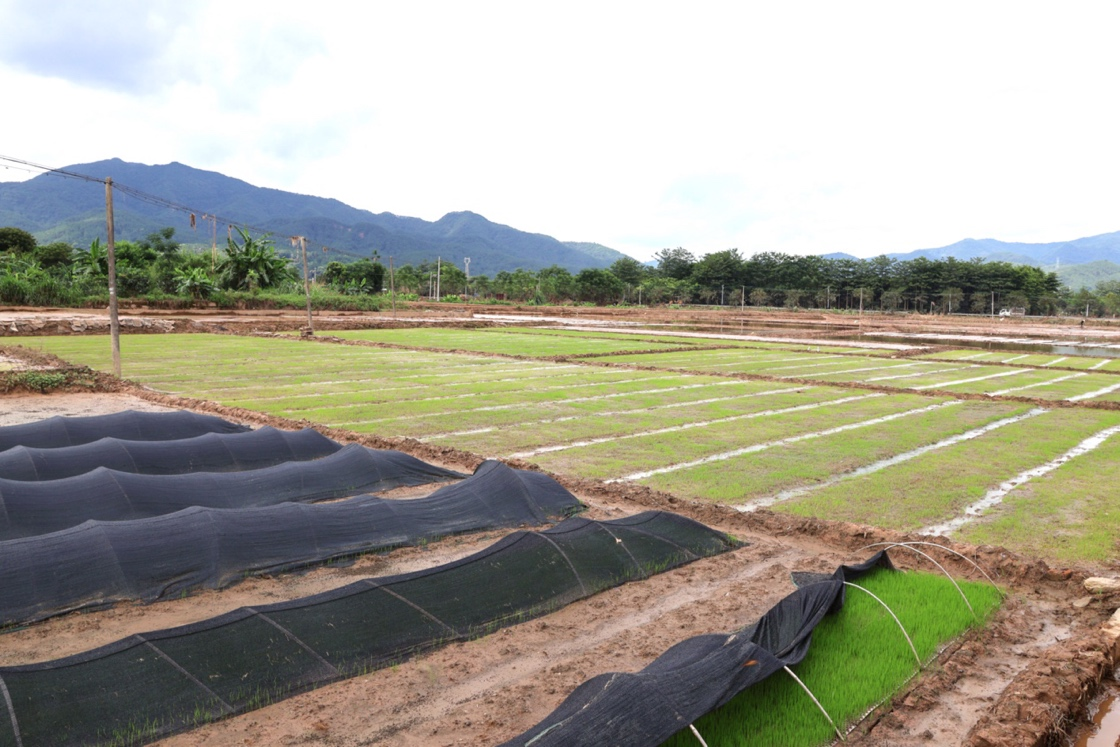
x: 210, y: 452
x: 150, y: 685
x: 694, y: 677
x: 102, y: 562
x: 131, y: 425
x: 32, y: 508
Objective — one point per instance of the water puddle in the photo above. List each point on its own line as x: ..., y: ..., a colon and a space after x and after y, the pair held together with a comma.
x: 1104, y: 729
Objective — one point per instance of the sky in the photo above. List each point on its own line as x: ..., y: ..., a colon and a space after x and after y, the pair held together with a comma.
x: 800, y: 127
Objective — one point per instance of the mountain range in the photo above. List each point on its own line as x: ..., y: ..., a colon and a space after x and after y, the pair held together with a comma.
x: 1079, y: 262
x: 54, y: 208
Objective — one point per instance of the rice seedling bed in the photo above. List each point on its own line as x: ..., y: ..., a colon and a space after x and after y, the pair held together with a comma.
x: 456, y: 403
x: 858, y: 367
x: 1081, y: 362
x: 937, y: 486
x: 614, y: 423
x: 858, y: 658
x: 389, y: 388
x: 1069, y: 516
x: 947, y: 379
x: 604, y: 335
x: 617, y: 459
x: 910, y: 371
x: 729, y: 361
x: 505, y: 415
x: 1063, y: 389
x: 505, y: 341
x: 767, y: 473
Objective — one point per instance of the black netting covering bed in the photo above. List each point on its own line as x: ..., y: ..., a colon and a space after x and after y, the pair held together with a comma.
x: 52, y: 433
x: 150, y: 685
x: 210, y: 452
x: 32, y: 508
x: 101, y: 562
x: 696, y: 676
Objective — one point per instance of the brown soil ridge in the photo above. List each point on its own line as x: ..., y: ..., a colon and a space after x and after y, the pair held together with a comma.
x: 1046, y: 697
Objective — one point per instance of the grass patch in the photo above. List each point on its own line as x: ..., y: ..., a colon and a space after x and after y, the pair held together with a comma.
x: 858, y: 658
x: 938, y: 486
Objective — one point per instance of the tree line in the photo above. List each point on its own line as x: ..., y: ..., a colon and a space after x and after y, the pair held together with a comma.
x: 58, y: 273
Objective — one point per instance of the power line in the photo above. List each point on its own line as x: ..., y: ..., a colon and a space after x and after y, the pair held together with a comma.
x: 158, y: 201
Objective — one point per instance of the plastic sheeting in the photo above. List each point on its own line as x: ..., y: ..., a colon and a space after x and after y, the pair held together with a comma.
x: 32, y: 508
x: 694, y: 677
x: 52, y: 433
x: 153, y: 684
x: 102, y: 562
x: 210, y: 452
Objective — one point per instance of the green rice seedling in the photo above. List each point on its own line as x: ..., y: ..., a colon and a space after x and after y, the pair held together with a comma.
x: 511, y: 343
x: 621, y: 458
x: 1068, y: 516
x: 858, y: 658
x: 808, y: 463
x: 939, y: 485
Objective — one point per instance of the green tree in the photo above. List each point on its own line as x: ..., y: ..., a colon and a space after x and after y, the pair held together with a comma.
x: 57, y: 254
x: 628, y: 270
x: 675, y: 263
x: 16, y: 241
x: 599, y: 286
x: 253, y: 264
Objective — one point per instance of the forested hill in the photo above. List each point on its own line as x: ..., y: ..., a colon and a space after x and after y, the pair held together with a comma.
x: 1049, y: 256
x: 59, y: 209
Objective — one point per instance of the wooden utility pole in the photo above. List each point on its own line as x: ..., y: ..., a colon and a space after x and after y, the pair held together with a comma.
x: 438, y: 296
x: 306, y: 283
x: 392, y: 286
x: 114, y: 320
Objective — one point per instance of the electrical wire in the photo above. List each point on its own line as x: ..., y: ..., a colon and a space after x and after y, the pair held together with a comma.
x: 157, y: 201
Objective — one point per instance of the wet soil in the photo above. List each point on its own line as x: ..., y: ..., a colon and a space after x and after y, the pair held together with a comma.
x: 1019, y: 682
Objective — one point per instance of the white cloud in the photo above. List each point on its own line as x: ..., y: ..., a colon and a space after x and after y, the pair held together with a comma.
x: 813, y: 127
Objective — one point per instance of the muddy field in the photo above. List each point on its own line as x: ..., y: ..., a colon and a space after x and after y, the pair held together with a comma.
x: 1013, y: 684
x: 484, y: 691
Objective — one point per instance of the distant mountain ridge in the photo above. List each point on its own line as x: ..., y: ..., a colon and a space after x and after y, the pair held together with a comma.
x: 1106, y: 246
x: 70, y: 210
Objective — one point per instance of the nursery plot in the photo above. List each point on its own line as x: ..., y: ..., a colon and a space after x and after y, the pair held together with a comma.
x: 766, y: 472
x: 732, y: 361
x: 559, y: 434
x: 1044, y: 384
x: 939, y: 485
x: 898, y: 375
x: 467, y: 421
x: 1047, y: 360
x: 970, y: 374
x: 454, y: 407
x: 1069, y: 515
x: 857, y: 658
x: 504, y: 341
x: 462, y: 394
x: 341, y: 393
x: 620, y: 459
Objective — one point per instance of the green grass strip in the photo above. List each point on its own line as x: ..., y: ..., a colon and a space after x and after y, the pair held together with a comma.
x: 616, y: 459
x: 509, y: 343
x: 937, y: 486
x: 796, y: 465
x: 857, y: 659
x: 1068, y: 516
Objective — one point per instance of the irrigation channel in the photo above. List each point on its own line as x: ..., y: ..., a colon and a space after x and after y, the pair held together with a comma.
x: 487, y: 690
